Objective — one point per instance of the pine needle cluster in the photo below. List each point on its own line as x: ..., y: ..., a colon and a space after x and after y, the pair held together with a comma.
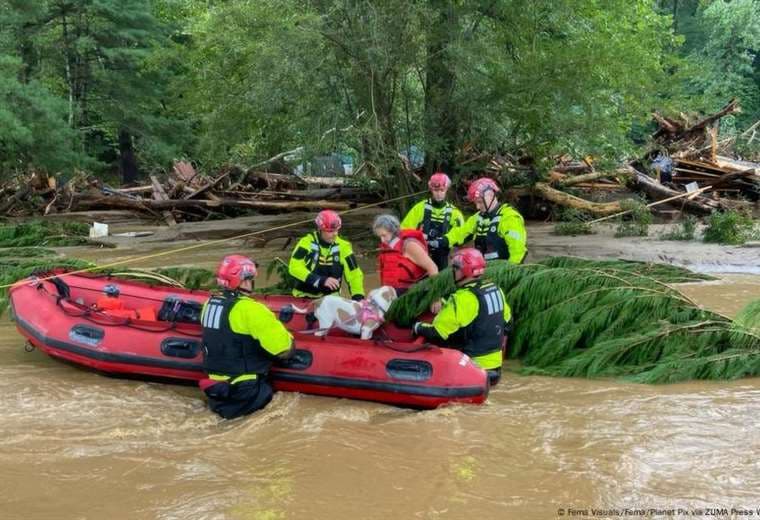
x: 584, y: 318
x: 44, y: 233
x: 14, y: 269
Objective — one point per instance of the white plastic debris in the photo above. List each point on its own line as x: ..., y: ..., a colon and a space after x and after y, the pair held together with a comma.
x: 98, y: 230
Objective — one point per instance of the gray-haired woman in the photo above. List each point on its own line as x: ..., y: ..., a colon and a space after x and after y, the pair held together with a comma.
x: 403, y: 259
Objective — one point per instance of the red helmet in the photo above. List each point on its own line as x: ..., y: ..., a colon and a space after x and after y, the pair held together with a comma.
x: 328, y: 220
x: 439, y: 181
x: 233, y: 270
x: 468, y: 263
x: 479, y: 187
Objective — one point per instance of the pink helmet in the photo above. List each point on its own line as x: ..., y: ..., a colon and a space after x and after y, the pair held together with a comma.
x: 233, y: 270
x: 439, y: 181
x: 468, y: 263
x: 479, y: 187
x: 328, y: 220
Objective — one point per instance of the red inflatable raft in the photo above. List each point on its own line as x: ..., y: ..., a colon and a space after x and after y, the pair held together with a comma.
x: 60, y: 316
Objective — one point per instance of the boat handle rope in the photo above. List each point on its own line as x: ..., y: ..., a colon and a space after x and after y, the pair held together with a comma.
x: 387, y: 344
x: 93, y: 289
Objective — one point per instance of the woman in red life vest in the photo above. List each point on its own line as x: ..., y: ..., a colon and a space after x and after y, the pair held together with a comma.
x: 403, y: 259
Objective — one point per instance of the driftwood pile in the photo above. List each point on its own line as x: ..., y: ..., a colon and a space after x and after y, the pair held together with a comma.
x: 184, y: 195
x: 697, y: 156
x: 688, y: 167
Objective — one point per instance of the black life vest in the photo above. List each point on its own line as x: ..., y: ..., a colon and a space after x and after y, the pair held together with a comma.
x: 436, y: 225
x: 324, y: 265
x: 486, y: 332
x: 226, y: 352
x: 487, y: 237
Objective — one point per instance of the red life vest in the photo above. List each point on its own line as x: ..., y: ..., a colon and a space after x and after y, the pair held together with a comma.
x: 115, y: 307
x: 395, y: 269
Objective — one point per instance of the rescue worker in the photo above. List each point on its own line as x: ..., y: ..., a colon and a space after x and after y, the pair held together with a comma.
x: 435, y: 216
x: 474, y: 319
x: 322, y: 259
x: 403, y: 259
x: 498, y: 229
x: 241, y: 339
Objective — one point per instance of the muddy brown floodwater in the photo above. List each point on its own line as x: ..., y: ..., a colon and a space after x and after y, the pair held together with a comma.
x: 77, y: 445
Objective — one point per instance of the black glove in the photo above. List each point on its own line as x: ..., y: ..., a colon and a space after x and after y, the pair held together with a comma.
x: 427, y: 331
x: 357, y: 297
x: 416, y: 328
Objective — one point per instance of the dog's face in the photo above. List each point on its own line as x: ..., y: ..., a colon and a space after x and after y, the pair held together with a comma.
x: 382, y: 297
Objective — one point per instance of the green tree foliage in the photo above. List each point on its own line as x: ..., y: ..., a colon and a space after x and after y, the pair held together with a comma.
x: 573, y: 75
x: 131, y: 78
x: 95, y: 57
x: 732, y: 47
x: 33, y: 129
x: 376, y: 77
x: 721, y: 56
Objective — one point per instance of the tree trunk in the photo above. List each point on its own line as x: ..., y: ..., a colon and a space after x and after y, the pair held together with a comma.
x: 98, y: 201
x: 598, y: 209
x: 441, y: 117
x: 68, y: 61
x: 675, y: 16
x: 579, y: 179
x: 657, y: 191
x: 127, y: 160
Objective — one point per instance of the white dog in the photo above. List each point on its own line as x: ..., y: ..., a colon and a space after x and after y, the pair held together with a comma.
x: 360, y: 318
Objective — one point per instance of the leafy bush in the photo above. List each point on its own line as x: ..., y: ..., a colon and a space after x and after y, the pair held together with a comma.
x: 636, y: 222
x: 729, y: 227
x: 685, y: 230
x: 573, y: 222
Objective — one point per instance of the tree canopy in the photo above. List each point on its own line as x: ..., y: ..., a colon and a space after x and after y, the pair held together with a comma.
x: 130, y: 85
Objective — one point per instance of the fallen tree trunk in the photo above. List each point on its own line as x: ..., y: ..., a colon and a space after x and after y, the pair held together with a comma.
x: 578, y: 179
x: 207, y: 186
x: 90, y: 201
x: 665, y: 124
x: 573, y: 167
x: 656, y: 191
x: 273, y: 181
x: 353, y: 194
x: 277, y: 157
x: 599, y: 209
x: 730, y: 108
x: 24, y: 191
x: 135, y: 189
